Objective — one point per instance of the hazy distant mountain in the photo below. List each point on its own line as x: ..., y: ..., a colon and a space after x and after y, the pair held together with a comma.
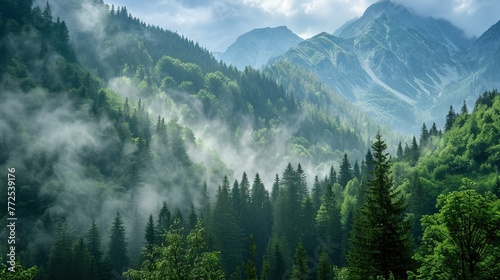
x: 401, y: 66
x: 485, y: 52
x: 256, y: 47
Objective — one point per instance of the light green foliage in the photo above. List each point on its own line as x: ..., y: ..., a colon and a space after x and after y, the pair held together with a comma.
x: 181, y: 259
x: 461, y: 240
x: 470, y: 148
x: 20, y: 273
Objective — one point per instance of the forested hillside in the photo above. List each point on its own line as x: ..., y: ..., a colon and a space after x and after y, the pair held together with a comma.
x: 131, y: 153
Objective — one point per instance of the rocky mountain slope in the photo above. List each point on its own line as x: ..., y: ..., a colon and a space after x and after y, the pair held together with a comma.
x: 401, y: 67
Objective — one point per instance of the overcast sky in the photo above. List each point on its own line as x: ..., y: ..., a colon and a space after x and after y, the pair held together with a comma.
x: 215, y: 24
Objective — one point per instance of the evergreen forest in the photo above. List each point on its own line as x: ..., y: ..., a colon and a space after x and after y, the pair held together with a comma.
x: 138, y: 155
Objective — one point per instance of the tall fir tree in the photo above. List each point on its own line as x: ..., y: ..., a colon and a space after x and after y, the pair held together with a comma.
x: 464, y: 110
x: 250, y: 268
x: 288, y: 209
x: 117, y: 252
x: 150, y: 237
x: 424, y: 136
x: 328, y: 221
x: 276, y: 188
x: 380, y: 237
x: 434, y: 130
x: 399, y: 152
x: 205, y: 202
x: 300, y: 269
x: 226, y: 231
x: 407, y: 154
x: 356, y: 171
x: 236, y: 199
x: 163, y: 223
x: 94, y: 242
x: 309, y: 232
x: 324, y: 269
x: 415, y: 151
x: 84, y: 266
x: 332, y: 176
x: 302, y: 183
x: 261, y: 218
x: 367, y: 174
x: 60, y: 258
x: 450, y: 119
x: 345, y: 172
x: 317, y: 193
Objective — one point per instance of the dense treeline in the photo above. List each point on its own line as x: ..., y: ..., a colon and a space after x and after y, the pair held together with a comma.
x: 92, y: 164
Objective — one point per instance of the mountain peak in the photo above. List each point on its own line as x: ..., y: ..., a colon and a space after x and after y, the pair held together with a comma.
x: 385, y: 6
x: 386, y: 15
x: 257, y: 46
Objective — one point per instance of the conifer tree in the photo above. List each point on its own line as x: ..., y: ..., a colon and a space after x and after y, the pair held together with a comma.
x: 192, y: 219
x: 47, y: 17
x: 244, y: 196
x: 59, y: 265
x: 450, y: 119
x: 424, y: 136
x: 324, y: 269
x: 317, y: 193
x: 288, y: 208
x: 150, y: 237
x: 415, y: 151
x: 84, y: 266
x: 367, y: 175
x: 261, y: 218
x: 163, y: 223
x: 178, y: 216
x: 464, y: 110
x: 356, y: 171
x: 276, y: 188
x: 434, y: 130
x: 333, y: 176
x: 345, y: 172
x: 309, y: 232
x: 226, y: 231
x: 302, y: 183
x: 370, y: 165
x: 205, y: 202
x: 407, y: 154
x: 94, y: 242
x: 250, y: 269
x: 276, y: 261
x: 379, y: 243
x: 328, y: 221
x: 242, y: 207
x: 300, y: 269
x: 399, y: 152
x: 236, y: 198
x: 117, y: 253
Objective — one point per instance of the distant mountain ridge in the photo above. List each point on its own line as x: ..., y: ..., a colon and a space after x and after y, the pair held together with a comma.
x: 257, y: 46
x: 400, y: 67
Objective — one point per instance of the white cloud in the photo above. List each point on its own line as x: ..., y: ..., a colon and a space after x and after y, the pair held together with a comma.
x: 463, y: 6
x: 283, y: 7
